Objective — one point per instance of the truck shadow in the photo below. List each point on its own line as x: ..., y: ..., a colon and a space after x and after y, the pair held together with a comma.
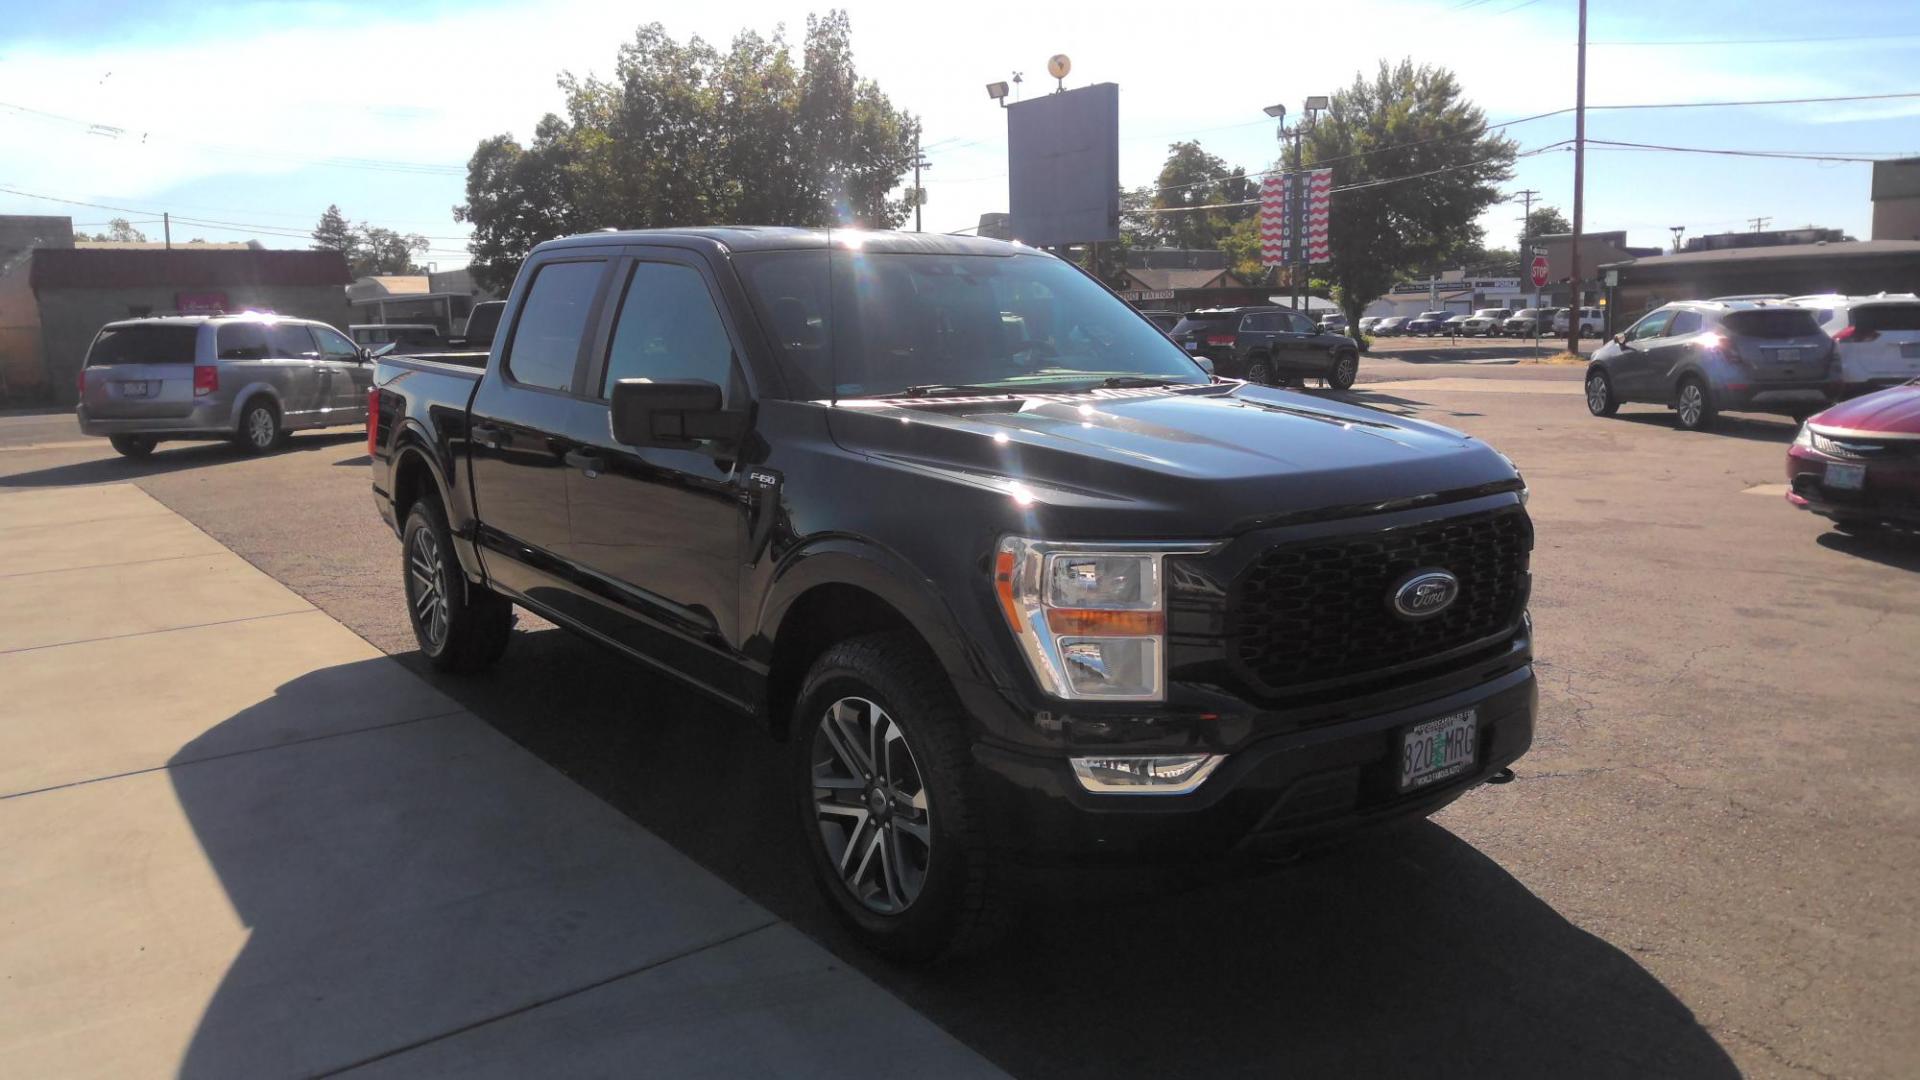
x: 168, y: 458
x: 1408, y: 952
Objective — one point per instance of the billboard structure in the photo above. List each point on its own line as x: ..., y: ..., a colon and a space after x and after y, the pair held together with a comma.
x: 1295, y: 210
x: 1063, y: 166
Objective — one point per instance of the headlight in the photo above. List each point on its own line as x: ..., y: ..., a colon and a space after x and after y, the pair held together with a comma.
x: 1090, y: 618
x: 1805, y: 436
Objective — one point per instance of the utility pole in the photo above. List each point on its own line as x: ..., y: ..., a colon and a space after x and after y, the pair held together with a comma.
x: 1760, y: 223
x: 1526, y: 198
x: 919, y: 193
x: 1579, y: 181
x: 1676, y: 230
x: 166, y: 229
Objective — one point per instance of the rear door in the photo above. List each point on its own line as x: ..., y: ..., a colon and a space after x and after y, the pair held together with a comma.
x: 139, y: 371
x: 659, y: 532
x: 349, y: 375
x: 521, y: 415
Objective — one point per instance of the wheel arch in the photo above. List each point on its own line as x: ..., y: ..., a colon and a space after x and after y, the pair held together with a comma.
x: 417, y: 471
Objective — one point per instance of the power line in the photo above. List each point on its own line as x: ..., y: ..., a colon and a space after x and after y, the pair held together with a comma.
x: 1361, y: 186
x: 1787, y: 155
x: 1775, y: 101
x: 1751, y: 41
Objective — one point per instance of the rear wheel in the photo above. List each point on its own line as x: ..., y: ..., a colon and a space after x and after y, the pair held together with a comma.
x: 460, y: 626
x: 1693, y: 407
x: 260, y: 429
x: 887, y: 799
x: 1346, y: 368
x: 1600, y: 399
x: 133, y: 446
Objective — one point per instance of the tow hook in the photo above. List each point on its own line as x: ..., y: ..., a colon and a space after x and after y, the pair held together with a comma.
x: 1503, y: 776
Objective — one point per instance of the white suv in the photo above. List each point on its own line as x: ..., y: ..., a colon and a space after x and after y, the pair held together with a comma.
x: 1877, y: 337
x: 1591, y: 320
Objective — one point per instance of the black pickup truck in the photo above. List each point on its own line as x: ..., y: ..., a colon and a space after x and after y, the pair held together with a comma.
x: 1016, y: 578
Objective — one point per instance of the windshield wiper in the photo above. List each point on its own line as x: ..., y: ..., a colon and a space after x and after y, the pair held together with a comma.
x: 1140, y: 380
x: 930, y: 389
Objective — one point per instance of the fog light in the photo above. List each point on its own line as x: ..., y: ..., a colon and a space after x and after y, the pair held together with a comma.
x: 1169, y: 774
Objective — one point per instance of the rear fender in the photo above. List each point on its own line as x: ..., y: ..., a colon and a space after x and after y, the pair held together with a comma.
x: 246, y: 393
x: 413, y: 447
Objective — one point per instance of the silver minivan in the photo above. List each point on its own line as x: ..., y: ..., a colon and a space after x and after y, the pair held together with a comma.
x: 250, y: 378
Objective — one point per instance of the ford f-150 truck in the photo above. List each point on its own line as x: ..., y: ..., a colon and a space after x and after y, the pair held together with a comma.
x: 1016, y: 578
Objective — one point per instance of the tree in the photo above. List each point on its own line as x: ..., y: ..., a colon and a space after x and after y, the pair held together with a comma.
x: 1413, y: 166
x: 1542, y: 221
x: 683, y: 134
x: 118, y: 229
x: 369, y: 249
x: 1192, y: 177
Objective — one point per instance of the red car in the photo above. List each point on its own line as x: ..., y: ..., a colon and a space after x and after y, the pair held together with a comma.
x: 1859, y: 462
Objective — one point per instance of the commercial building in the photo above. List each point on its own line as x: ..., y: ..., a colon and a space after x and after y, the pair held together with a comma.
x: 440, y: 298
x: 1896, y: 199
x: 1855, y: 267
x: 1764, y: 238
x: 55, y: 296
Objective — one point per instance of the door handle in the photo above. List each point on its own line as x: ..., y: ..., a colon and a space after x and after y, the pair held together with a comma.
x: 491, y: 437
x: 591, y: 464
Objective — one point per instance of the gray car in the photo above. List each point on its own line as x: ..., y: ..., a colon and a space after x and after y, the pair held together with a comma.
x: 250, y: 378
x: 1703, y: 357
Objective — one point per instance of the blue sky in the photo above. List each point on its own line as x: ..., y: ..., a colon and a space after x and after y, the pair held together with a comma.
x: 248, y: 113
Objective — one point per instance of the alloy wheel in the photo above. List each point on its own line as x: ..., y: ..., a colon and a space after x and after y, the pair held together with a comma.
x: 1693, y: 402
x: 1596, y: 394
x: 427, y: 586
x: 870, y: 805
x: 260, y: 427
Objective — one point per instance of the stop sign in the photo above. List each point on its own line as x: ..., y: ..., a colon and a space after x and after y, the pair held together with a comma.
x: 1539, y: 271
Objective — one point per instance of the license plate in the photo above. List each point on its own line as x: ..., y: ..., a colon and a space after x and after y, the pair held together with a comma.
x: 1438, y: 749
x: 1846, y: 477
x: 1193, y: 346
x: 1784, y: 356
x: 135, y: 389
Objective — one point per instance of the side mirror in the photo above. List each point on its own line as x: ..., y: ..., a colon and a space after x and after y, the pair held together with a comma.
x: 1205, y: 362
x: 673, y: 412
x: 1620, y: 339
x: 380, y: 350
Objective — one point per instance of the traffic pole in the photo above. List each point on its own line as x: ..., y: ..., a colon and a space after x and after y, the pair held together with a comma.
x: 1579, y: 181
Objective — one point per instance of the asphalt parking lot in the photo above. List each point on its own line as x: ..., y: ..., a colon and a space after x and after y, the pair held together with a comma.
x: 1705, y: 867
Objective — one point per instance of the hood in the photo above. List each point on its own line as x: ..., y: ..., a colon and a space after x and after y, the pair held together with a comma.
x: 1181, y: 462
x: 1893, y: 411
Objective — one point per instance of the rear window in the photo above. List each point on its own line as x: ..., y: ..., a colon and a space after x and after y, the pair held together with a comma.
x: 243, y: 341
x: 143, y: 344
x: 1878, y: 317
x: 1204, y: 323
x: 1771, y: 323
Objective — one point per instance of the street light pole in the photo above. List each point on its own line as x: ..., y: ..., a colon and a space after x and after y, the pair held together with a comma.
x: 1579, y: 181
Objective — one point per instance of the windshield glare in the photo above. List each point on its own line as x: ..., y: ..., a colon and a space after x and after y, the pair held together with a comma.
x: 893, y: 321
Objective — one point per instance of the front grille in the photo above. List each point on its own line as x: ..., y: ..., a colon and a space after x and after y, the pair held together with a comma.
x: 1319, y: 611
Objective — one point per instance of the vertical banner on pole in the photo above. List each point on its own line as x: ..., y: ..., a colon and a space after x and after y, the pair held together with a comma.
x: 1276, y: 231
x: 1319, y: 214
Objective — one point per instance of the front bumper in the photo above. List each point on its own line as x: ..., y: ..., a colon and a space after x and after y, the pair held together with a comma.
x: 1274, y: 795
x: 1891, y: 491
x: 213, y: 420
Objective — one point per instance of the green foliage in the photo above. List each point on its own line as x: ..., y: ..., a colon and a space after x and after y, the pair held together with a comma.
x: 1543, y: 221
x: 369, y: 248
x: 684, y: 134
x: 118, y: 229
x: 1192, y: 177
x: 1403, y: 122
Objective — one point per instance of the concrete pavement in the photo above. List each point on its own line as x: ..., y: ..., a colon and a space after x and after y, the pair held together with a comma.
x: 237, y: 840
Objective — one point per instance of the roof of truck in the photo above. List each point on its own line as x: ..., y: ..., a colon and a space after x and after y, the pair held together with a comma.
x: 786, y: 238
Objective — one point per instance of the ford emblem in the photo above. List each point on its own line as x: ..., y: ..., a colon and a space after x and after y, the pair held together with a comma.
x: 1424, y: 594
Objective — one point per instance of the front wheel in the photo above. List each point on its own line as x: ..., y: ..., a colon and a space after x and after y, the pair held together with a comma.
x: 133, y: 446
x: 1693, y: 407
x: 459, y: 626
x: 887, y: 799
x: 1346, y: 368
x: 1600, y: 399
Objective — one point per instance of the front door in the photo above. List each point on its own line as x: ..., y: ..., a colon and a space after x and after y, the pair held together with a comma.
x: 1294, y: 345
x: 517, y: 433
x: 348, y: 376
x: 1632, y: 370
x: 659, y: 532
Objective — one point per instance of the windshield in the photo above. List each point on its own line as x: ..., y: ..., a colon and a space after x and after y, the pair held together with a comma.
x: 930, y: 323
x: 1488, y: 313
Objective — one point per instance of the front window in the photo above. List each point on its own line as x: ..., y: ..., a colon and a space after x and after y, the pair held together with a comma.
x: 879, y: 324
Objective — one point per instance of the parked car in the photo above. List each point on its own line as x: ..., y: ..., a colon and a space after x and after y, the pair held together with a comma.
x: 1704, y: 357
x: 248, y: 377
x: 1368, y: 323
x: 1591, y: 320
x: 404, y: 336
x: 1013, y: 576
x: 1856, y: 464
x: 1212, y: 332
x: 1165, y: 320
x: 1390, y: 326
x: 1281, y: 346
x: 1525, y: 322
x: 1485, y: 323
x: 1878, y: 338
x: 1335, y: 323
x: 1428, y: 322
x: 1455, y: 326
x: 482, y: 322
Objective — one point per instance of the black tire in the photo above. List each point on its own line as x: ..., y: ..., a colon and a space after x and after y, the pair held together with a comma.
x: 1346, y: 368
x: 460, y: 626
x: 133, y: 446
x: 1693, y: 405
x: 1260, y: 371
x: 260, y: 429
x: 956, y: 878
x: 1600, y: 397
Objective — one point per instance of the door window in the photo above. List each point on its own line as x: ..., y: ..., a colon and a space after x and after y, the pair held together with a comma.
x: 1298, y: 323
x: 668, y: 329
x: 1684, y: 322
x: 334, y: 345
x: 290, y: 341
x: 242, y: 341
x: 1654, y: 325
x: 546, y: 337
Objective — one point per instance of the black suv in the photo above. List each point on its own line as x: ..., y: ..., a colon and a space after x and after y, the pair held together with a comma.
x: 1013, y: 576
x: 1269, y: 346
